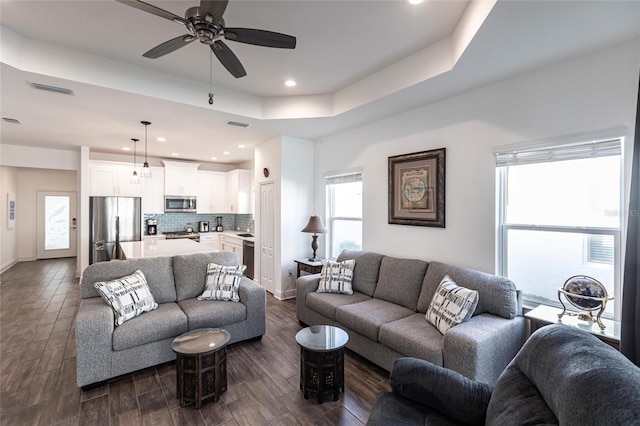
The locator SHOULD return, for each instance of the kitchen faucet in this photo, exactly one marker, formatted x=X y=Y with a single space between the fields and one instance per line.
x=251 y=222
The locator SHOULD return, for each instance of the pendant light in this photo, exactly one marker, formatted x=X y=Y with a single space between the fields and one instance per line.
x=135 y=179
x=146 y=170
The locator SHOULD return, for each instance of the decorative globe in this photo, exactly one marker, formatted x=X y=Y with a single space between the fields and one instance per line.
x=582 y=285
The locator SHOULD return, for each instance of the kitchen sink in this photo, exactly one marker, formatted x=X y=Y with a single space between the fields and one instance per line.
x=245 y=235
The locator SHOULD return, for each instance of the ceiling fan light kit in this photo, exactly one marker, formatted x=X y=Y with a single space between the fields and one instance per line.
x=206 y=24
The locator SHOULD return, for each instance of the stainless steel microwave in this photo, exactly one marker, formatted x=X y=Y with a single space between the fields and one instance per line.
x=179 y=204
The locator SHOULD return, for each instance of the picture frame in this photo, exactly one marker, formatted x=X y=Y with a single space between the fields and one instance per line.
x=11 y=210
x=417 y=188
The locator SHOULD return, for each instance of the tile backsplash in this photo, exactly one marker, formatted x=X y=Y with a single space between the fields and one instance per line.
x=171 y=222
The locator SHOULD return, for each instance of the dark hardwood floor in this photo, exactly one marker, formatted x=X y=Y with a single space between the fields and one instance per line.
x=38 y=301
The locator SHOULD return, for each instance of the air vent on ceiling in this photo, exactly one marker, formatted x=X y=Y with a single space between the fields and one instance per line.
x=10 y=120
x=54 y=89
x=238 y=124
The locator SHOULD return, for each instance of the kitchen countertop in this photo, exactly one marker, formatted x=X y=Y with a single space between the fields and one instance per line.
x=159 y=248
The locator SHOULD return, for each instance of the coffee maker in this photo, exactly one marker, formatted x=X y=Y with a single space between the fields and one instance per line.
x=152 y=226
x=204 y=226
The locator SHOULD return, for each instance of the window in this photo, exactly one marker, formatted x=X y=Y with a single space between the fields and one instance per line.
x=344 y=213
x=559 y=216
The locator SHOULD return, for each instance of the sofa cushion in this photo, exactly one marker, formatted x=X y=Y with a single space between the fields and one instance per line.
x=497 y=295
x=451 y=305
x=367 y=317
x=128 y=296
x=413 y=336
x=326 y=303
x=222 y=282
x=212 y=313
x=391 y=409
x=365 y=273
x=190 y=271
x=400 y=281
x=166 y=321
x=336 y=277
x=575 y=360
x=157 y=270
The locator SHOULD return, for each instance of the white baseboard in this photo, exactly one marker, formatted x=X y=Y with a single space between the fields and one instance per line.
x=8 y=265
x=288 y=294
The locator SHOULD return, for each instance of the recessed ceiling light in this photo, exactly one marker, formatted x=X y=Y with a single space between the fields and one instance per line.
x=414 y=2
x=290 y=83
x=160 y=139
x=175 y=154
x=241 y=146
x=126 y=148
x=214 y=158
x=226 y=153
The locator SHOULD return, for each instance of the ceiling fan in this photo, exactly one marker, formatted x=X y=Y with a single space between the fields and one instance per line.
x=205 y=23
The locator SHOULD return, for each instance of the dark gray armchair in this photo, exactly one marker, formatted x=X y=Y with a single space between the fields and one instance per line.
x=561 y=376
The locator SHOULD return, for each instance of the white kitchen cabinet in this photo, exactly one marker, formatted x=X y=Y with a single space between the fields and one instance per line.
x=153 y=192
x=239 y=192
x=180 y=178
x=109 y=180
x=211 y=191
x=211 y=240
x=232 y=244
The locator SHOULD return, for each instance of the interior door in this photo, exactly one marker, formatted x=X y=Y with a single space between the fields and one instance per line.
x=56 y=224
x=267 y=235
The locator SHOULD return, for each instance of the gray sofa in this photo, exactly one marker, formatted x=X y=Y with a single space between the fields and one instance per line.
x=385 y=317
x=104 y=351
x=562 y=376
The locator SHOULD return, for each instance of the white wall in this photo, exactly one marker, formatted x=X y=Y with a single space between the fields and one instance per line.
x=290 y=164
x=8 y=237
x=590 y=93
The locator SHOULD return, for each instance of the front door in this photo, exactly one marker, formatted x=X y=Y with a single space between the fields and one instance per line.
x=56 y=224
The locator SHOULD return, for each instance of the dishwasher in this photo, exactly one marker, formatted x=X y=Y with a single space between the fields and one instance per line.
x=247 y=258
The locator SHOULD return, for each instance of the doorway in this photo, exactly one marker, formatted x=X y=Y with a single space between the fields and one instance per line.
x=267 y=235
x=56 y=224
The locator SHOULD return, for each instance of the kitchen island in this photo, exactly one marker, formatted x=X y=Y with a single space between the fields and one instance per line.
x=159 y=248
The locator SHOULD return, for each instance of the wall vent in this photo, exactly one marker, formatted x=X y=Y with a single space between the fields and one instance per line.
x=10 y=120
x=238 y=124
x=53 y=89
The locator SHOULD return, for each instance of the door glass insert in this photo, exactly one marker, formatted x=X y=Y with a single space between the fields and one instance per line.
x=56 y=222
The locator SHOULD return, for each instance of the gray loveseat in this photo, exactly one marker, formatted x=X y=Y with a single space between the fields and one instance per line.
x=104 y=351
x=562 y=376
x=385 y=316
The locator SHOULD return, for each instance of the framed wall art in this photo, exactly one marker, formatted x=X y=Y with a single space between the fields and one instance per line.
x=416 y=188
x=11 y=210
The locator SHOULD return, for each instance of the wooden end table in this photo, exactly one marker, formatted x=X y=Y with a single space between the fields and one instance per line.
x=201 y=365
x=309 y=266
x=545 y=315
x=322 y=360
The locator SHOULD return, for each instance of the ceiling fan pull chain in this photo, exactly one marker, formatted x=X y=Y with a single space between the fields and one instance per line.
x=210 y=77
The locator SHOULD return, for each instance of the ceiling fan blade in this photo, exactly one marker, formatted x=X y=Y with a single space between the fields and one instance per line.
x=149 y=8
x=228 y=59
x=260 y=37
x=214 y=8
x=169 y=46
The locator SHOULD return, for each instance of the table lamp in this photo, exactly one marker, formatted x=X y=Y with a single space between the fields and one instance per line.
x=314 y=227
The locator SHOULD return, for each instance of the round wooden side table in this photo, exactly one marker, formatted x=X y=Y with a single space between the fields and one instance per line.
x=322 y=360
x=201 y=365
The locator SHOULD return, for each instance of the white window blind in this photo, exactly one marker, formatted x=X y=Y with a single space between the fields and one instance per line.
x=522 y=156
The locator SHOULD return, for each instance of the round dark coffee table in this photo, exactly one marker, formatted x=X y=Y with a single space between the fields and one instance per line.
x=201 y=365
x=322 y=360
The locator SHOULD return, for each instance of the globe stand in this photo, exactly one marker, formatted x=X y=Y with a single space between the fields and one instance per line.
x=584 y=302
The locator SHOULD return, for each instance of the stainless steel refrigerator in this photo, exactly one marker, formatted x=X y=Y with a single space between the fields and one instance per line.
x=113 y=219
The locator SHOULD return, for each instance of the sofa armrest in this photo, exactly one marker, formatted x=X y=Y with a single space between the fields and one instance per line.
x=94 y=326
x=440 y=389
x=254 y=297
x=482 y=347
x=304 y=285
